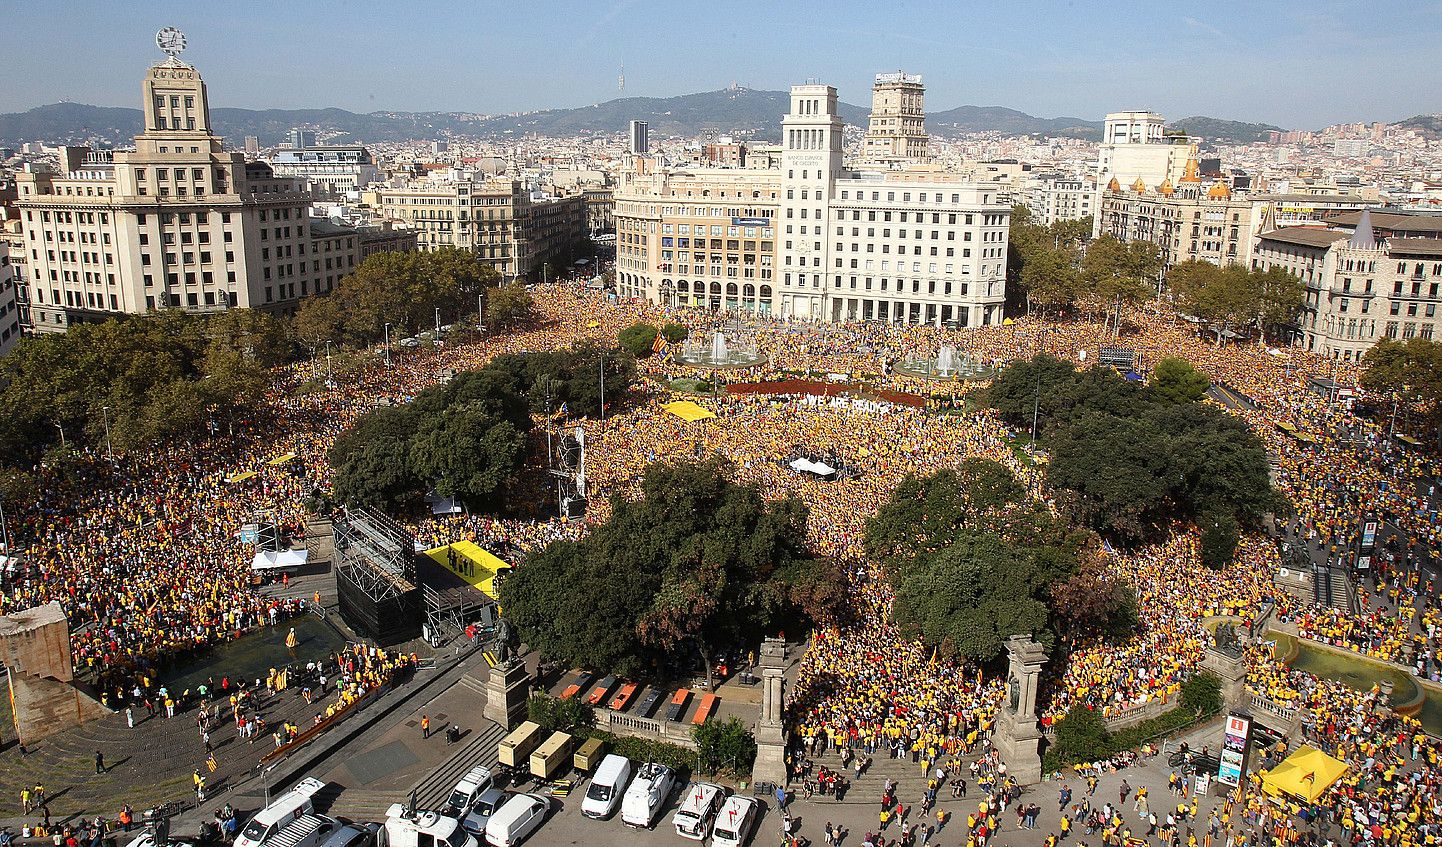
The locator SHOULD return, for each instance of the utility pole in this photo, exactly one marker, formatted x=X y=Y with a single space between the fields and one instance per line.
x=327 y=362
x=388 y=345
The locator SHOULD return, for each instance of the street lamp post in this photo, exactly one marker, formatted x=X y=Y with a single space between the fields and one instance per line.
x=109 y=454
x=327 y=361
x=62 y=434
x=438 y=323
x=388 y=345
x=312 y=363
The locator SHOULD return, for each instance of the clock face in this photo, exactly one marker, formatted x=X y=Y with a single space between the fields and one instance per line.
x=170 y=40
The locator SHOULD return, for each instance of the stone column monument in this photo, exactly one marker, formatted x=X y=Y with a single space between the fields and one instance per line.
x=509 y=684
x=1224 y=660
x=770 y=731
x=1016 y=734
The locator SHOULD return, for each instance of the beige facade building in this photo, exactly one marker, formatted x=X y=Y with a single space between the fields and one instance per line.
x=1189 y=221
x=176 y=223
x=1369 y=275
x=896 y=131
x=700 y=237
x=811 y=240
x=9 y=305
x=497 y=219
x=1136 y=146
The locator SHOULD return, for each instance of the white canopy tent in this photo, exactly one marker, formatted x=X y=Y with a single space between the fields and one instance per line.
x=269 y=560
x=804 y=465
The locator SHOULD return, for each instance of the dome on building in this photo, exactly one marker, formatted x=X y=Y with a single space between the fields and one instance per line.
x=1114 y=185
x=1139 y=186
x=1193 y=173
x=1219 y=191
x=1166 y=189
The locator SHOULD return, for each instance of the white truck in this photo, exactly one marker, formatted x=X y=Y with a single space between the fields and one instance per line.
x=647 y=795
x=411 y=828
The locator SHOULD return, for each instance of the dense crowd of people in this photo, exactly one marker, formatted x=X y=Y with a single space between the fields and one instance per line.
x=143 y=553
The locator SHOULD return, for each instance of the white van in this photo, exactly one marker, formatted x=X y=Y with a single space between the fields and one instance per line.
x=736 y=822
x=281 y=811
x=517 y=819
x=647 y=794
x=305 y=831
x=464 y=795
x=421 y=828
x=607 y=786
x=699 y=804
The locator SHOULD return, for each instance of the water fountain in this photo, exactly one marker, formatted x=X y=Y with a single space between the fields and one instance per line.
x=720 y=352
x=946 y=364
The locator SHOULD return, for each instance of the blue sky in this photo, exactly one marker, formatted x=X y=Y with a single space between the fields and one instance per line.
x=1296 y=64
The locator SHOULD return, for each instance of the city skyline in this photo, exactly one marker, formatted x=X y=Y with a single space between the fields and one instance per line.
x=1235 y=62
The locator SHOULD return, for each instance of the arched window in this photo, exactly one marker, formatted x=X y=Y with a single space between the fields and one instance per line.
x=715 y=288
x=683 y=285
x=730 y=289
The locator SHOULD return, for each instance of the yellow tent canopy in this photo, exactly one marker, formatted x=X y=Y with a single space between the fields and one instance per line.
x=688 y=411
x=486 y=565
x=280 y=460
x=1307 y=774
x=240 y=477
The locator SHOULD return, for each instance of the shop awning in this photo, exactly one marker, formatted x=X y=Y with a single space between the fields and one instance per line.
x=688 y=411
x=1307 y=774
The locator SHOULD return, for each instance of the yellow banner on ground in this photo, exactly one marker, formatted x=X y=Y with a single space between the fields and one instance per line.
x=240 y=477
x=280 y=460
x=472 y=563
x=688 y=411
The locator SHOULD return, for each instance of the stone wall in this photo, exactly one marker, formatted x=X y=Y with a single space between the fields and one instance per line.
x=670 y=732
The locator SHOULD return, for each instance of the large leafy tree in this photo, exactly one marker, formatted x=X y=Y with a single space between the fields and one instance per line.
x=972 y=562
x=1176 y=380
x=1131 y=458
x=696 y=565
x=1233 y=297
x=142 y=379
x=573 y=377
x=402 y=289
x=1116 y=273
x=466 y=439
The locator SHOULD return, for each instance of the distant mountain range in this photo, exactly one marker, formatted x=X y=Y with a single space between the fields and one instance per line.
x=739 y=111
x=1216 y=129
x=1429 y=125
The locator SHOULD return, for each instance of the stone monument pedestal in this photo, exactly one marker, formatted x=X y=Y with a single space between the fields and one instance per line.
x=1229 y=667
x=507 y=689
x=770 y=732
x=1017 y=735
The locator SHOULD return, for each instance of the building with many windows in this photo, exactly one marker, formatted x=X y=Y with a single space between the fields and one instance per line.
x=1368 y=275
x=811 y=240
x=499 y=219
x=9 y=307
x=896 y=130
x=1061 y=199
x=698 y=237
x=178 y=222
x=1189 y=221
x=329 y=173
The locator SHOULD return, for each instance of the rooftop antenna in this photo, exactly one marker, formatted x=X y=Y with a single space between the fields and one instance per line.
x=621 y=80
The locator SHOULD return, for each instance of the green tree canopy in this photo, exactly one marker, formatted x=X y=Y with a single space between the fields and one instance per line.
x=510 y=305
x=149 y=378
x=466 y=439
x=402 y=289
x=1175 y=380
x=1233 y=297
x=637 y=339
x=698 y=564
x=1131 y=458
x=573 y=376
x=972 y=561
